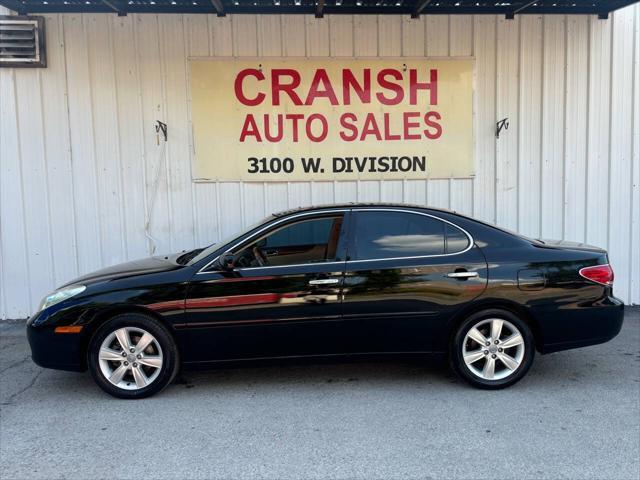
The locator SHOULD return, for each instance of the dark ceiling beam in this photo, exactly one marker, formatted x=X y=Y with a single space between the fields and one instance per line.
x=117 y=6
x=420 y=6
x=511 y=15
x=217 y=4
x=320 y=9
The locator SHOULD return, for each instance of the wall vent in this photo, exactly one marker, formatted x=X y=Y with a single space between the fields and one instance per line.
x=22 y=41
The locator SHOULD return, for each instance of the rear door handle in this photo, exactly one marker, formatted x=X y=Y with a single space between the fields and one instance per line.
x=324 y=281
x=462 y=274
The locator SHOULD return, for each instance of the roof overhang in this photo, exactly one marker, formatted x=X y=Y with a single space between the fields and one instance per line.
x=319 y=8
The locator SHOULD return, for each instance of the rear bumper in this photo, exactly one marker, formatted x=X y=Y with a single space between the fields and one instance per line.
x=54 y=350
x=581 y=327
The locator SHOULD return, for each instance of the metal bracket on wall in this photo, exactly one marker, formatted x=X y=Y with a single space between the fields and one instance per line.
x=161 y=127
x=502 y=124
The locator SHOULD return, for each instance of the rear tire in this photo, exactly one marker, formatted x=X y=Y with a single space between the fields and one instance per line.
x=492 y=349
x=132 y=356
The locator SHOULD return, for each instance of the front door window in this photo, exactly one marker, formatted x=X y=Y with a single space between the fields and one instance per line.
x=302 y=242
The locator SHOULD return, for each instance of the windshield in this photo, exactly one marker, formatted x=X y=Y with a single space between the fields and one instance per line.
x=217 y=246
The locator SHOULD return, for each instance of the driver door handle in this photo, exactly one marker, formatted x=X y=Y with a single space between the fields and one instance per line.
x=324 y=281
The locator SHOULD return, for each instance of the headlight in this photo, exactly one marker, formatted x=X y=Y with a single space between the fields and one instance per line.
x=60 y=295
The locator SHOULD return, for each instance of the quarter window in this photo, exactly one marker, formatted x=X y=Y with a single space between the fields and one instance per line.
x=457 y=240
x=306 y=241
x=387 y=234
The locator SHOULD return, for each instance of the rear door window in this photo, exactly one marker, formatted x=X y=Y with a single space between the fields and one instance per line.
x=389 y=234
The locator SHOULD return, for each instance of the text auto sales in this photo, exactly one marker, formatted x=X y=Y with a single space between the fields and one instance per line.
x=254 y=88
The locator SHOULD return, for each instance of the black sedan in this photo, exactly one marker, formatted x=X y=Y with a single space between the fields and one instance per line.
x=350 y=279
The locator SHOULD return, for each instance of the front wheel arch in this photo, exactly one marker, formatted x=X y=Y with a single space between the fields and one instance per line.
x=103 y=316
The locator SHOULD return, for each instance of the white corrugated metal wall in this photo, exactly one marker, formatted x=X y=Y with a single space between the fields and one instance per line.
x=79 y=158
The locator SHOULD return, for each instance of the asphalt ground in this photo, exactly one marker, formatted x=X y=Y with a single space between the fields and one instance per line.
x=576 y=415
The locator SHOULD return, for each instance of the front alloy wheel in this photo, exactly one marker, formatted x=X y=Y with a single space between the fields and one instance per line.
x=492 y=349
x=132 y=356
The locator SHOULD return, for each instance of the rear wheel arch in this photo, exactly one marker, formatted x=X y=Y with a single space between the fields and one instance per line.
x=495 y=304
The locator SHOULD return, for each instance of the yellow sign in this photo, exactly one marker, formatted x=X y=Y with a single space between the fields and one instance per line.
x=280 y=119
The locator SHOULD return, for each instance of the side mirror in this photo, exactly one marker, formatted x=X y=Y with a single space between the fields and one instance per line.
x=227 y=261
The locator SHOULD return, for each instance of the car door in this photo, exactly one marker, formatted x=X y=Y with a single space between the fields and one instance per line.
x=407 y=273
x=282 y=297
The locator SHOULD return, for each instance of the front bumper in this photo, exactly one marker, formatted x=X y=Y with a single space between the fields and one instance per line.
x=60 y=351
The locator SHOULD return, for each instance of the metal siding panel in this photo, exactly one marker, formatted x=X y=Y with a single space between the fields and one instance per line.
x=365 y=35
x=150 y=58
x=106 y=138
x=462 y=195
x=245 y=35
x=55 y=122
x=322 y=193
x=79 y=84
x=130 y=134
x=415 y=192
x=438 y=193
x=485 y=107
x=413 y=36
x=34 y=183
x=369 y=190
x=635 y=177
x=507 y=106
x=597 y=218
x=179 y=170
x=575 y=127
x=461 y=35
x=317 y=36
x=391 y=191
x=389 y=35
x=294 y=35
x=340 y=35
x=13 y=236
x=198 y=41
x=437 y=35
x=269 y=35
x=553 y=101
x=220 y=35
x=299 y=194
x=620 y=209
x=529 y=128
x=231 y=216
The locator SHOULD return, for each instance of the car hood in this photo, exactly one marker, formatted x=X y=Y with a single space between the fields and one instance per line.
x=142 y=266
x=572 y=245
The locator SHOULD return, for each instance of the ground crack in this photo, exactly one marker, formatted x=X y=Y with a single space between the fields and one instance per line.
x=20 y=392
x=15 y=364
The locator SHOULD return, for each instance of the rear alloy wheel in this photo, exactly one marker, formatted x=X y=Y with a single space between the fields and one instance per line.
x=492 y=349
x=132 y=356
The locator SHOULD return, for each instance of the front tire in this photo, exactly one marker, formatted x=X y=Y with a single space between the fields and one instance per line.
x=492 y=349
x=132 y=356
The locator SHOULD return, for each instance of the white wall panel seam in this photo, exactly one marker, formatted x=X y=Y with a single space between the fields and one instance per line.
x=143 y=146
x=45 y=158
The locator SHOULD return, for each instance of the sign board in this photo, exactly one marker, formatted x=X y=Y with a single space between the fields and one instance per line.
x=284 y=119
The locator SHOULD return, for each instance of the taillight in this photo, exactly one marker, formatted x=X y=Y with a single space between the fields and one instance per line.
x=602 y=274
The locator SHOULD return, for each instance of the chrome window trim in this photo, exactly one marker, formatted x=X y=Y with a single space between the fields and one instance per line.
x=354 y=209
x=277 y=222
x=403 y=210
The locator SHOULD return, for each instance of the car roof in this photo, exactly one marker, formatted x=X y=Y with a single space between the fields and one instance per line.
x=359 y=205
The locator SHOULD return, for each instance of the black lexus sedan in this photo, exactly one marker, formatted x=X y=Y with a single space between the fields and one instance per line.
x=336 y=280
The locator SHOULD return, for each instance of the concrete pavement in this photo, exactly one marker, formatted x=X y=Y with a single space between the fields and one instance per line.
x=576 y=415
